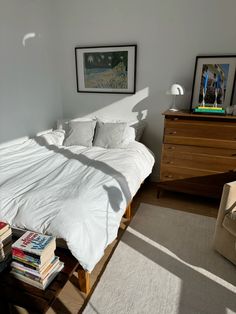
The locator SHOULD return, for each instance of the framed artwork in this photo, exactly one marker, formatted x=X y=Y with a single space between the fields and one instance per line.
x=106 y=69
x=214 y=81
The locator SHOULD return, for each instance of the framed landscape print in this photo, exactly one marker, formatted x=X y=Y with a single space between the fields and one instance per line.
x=106 y=69
x=214 y=81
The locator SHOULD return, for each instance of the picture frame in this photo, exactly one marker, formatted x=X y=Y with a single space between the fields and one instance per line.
x=213 y=81
x=106 y=69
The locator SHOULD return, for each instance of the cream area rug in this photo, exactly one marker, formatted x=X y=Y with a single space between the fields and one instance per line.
x=165 y=263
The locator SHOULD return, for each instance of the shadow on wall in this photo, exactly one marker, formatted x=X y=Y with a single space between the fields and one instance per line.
x=120 y=108
x=118 y=111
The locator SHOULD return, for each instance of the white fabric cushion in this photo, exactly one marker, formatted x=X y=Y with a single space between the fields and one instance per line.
x=110 y=135
x=129 y=136
x=55 y=137
x=80 y=133
x=139 y=127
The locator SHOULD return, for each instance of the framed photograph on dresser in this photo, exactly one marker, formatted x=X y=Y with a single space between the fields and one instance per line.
x=214 y=81
x=106 y=69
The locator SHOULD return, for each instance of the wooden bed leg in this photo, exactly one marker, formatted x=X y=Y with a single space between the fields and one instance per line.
x=128 y=212
x=84 y=281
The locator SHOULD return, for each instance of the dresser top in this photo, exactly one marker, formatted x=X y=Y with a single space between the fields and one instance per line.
x=188 y=115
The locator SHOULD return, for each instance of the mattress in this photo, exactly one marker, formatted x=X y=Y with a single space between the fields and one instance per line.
x=75 y=193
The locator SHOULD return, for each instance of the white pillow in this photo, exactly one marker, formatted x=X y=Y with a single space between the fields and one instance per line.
x=55 y=137
x=80 y=133
x=110 y=134
x=139 y=127
x=129 y=135
x=63 y=124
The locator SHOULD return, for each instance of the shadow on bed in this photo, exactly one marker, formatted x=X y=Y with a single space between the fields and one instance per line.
x=114 y=194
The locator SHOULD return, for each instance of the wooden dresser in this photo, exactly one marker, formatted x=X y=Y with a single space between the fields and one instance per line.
x=198 y=153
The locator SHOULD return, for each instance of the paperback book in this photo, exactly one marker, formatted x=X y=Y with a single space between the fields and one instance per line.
x=5 y=238
x=5 y=245
x=34 y=261
x=42 y=284
x=3 y=227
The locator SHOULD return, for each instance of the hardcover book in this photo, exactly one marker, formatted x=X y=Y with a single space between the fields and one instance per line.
x=34 y=247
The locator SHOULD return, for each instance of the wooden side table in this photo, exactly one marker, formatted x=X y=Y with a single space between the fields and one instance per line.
x=16 y=292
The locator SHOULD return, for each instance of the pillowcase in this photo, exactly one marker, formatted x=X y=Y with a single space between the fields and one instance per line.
x=64 y=124
x=80 y=133
x=55 y=137
x=139 y=127
x=110 y=134
x=129 y=136
x=135 y=127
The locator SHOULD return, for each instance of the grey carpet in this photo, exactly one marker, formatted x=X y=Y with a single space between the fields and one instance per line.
x=165 y=263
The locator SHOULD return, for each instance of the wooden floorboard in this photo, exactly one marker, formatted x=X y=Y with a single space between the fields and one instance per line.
x=71 y=300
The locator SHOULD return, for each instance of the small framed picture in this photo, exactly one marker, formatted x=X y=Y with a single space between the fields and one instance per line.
x=214 y=81
x=106 y=69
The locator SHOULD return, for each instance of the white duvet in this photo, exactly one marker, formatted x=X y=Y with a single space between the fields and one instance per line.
x=78 y=194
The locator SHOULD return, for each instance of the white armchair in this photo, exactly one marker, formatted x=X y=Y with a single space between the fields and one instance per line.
x=225 y=231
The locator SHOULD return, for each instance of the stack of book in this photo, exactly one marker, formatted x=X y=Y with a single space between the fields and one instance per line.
x=5 y=245
x=209 y=110
x=34 y=260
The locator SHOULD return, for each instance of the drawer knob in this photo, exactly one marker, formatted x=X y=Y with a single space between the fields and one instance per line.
x=168 y=176
x=173 y=147
x=172 y=133
x=170 y=162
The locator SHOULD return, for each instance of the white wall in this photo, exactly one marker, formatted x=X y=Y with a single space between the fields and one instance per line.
x=30 y=98
x=169 y=35
x=36 y=79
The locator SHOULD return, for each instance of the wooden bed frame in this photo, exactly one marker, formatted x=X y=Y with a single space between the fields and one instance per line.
x=83 y=275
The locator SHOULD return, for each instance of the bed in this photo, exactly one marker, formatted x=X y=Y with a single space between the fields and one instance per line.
x=78 y=194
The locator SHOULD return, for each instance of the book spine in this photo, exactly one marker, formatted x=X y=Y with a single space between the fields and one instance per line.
x=24 y=269
x=26 y=274
x=26 y=263
x=27 y=280
x=27 y=259
x=26 y=255
x=23 y=253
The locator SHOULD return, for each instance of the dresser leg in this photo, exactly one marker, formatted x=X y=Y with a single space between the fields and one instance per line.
x=159 y=191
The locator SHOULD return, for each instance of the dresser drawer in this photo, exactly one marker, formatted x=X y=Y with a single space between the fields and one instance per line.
x=210 y=129
x=171 y=172
x=199 y=133
x=199 y=161
x=182 y=149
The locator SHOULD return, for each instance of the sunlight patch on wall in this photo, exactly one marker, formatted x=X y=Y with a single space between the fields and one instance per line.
x=119 y=109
